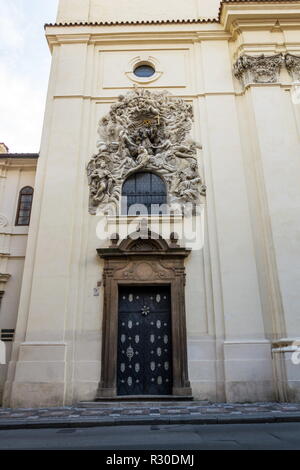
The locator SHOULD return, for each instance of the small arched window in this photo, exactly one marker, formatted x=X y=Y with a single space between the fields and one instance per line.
x=144 y=194
x=24 y=206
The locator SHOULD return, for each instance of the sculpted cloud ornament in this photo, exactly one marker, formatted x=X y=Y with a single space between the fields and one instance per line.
x=145 y=131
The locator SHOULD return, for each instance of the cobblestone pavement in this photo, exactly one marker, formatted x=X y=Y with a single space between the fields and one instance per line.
x=119 y=412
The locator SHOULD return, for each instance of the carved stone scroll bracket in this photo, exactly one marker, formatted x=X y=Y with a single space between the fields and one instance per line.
x=260 y=69
x=143 y=261
x=292 y=63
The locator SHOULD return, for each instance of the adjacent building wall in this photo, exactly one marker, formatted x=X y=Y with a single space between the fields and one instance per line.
x=15 y=174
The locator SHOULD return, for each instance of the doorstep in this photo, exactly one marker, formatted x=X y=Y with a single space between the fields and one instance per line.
x=141 y=401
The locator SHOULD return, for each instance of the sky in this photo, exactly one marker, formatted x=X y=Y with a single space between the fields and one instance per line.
x=24 y=71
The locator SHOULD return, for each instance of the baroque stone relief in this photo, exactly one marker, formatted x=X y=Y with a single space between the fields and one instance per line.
x=145 y=131
x=260 y=69
x=292 y=63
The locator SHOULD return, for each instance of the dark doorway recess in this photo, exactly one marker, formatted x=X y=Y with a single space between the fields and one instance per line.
x=144 y=341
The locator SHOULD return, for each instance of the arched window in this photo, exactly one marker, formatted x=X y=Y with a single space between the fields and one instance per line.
x=24 y=206
x=143 y=194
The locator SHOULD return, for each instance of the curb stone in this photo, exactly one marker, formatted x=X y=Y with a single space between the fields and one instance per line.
x=154 y=421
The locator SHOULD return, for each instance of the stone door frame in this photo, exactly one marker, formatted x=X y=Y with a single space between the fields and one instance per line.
x=143 y=260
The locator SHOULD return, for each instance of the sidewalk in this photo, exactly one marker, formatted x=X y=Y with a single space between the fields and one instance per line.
x=148 y=413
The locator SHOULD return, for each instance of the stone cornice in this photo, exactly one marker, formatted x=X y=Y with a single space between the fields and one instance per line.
x=19 y=155
x=20 y=162
x=132 y=23
x=135 y=37
x=100 y=35
x=255 y=13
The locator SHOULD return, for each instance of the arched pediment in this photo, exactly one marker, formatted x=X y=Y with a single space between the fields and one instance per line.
x=144 y=241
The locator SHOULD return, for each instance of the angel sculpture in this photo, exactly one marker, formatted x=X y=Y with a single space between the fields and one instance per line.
x=189 y=180
x=101 y=181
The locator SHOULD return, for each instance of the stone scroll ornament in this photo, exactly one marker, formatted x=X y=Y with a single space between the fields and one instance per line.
x=145 y=131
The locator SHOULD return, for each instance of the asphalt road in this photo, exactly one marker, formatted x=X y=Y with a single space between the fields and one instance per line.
x=180 y=437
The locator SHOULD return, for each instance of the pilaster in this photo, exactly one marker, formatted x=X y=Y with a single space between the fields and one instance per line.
x=274 y=129
x=245 y=347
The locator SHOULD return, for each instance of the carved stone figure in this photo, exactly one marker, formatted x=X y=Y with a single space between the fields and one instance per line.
x=292 y=63
x=187 y=185
x=145 y=131
x=260 y=69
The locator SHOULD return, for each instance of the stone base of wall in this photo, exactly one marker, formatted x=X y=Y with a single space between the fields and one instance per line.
x=248 y=371
x=248 y=375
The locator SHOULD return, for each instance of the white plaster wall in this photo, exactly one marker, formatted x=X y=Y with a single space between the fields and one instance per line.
x=133 y=10
x=279 y=153
x=228 y=207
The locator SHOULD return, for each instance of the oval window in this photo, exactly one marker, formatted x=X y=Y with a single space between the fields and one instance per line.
x=144 y=71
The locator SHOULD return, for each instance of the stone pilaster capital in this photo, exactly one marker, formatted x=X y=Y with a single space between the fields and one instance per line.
x=259 y=69
x=292 y=63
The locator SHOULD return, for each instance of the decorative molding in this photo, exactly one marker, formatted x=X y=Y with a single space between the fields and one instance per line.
x=292 y=63
x=145 y=131
x=133 y=22
x=260 y=69
x=285 y=344
x=4 y=278
x=142 y=60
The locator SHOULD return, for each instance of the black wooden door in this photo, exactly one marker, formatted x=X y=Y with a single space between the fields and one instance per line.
x=144 y=341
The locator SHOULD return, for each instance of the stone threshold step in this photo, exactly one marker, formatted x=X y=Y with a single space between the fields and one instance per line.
x=143 y=398
x=144 y=403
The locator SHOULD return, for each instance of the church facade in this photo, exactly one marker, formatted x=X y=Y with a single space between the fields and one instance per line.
x=162 y=259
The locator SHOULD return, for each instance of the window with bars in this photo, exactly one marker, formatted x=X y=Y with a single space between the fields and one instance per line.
x=24 y=206
x=144 y=194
